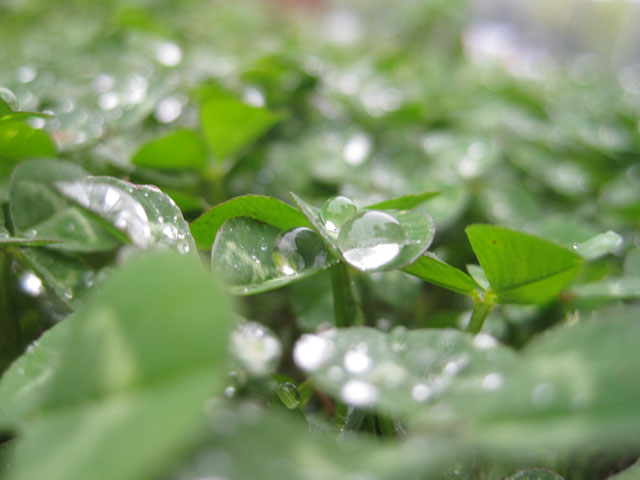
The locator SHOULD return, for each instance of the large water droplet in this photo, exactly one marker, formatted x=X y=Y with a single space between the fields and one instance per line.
x=335 y=212
x=289 y=395
x=9 y=98
x=297 y=249
x=255 y=348
x=371 y=239
x=312 y=351
x=358 y=393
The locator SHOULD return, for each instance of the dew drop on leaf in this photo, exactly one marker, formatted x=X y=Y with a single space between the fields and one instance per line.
x=289 y=395
x=371 y=239
x=312 y=351
x=356 y=361
x=297 y=249
x=358 y=393
x=492 y=381
x=9 y=98
x=255 y=348
x=335 y=212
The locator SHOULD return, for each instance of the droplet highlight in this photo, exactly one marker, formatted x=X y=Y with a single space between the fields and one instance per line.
x=297 y=249
x=335 y=213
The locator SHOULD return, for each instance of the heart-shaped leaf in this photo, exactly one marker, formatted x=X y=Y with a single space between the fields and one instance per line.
x=255 y=257
x=522 y=268
x=266 y=209
x=371 y=240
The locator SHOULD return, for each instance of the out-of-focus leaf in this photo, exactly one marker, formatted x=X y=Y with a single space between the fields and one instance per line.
x=32 y=194
x=265 y=209
x=433 y=270
x=246 y=253
x=19 y=141
x=230 y=125
x=610 y=287
x=406 y=202
x=535 y=474
x=599 y=246
x=180 y=149
x=522 y=268
x=127 y=379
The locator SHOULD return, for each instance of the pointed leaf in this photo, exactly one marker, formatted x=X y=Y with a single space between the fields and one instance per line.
x=133 y=370
x=433 y=270
x=265 y=209
x=522 y=268
x=406 y=202
x=418 y=228
x=180 y=149
x=244 y=254
x=477 y=273
x=230 y=125
x=599 y=246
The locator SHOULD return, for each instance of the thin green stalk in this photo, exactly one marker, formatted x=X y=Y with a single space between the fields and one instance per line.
x=10 y=338
x=483 y=303
x=345 y=307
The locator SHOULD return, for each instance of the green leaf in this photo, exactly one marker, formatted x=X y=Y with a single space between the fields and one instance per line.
x=535 y=474
x=433 y=270
x=599 y=246
x=180 y=149
x=230 y=125
x=406 y=202
x=609 y=288
x=20 y=116
x=566 y=390
x=245 y=253
x=75 y=231
x=418 y=228
x=145 y=214
x=522 y=268
x=477 y=273
x=128 y=379
x=32 y=194
x=266 y=209
x=19 y=141
x=399 y=372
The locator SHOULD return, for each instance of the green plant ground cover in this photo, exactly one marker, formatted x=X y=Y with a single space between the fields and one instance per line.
x=307 y=240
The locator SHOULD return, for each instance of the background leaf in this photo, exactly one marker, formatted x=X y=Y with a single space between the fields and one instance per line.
x=406 y=202
x=522 y=268
x=180 y=149
x=19 y=141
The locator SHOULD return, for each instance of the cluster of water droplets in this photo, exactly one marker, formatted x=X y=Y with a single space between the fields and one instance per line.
x=368 y=239
x=298 y=249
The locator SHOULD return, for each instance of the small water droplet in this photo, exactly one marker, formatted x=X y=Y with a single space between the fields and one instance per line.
x=255 y=348
x=356 y=361
x=371 y=239
x=357 y=149
x=484 y=341
x=168 y=109
x=543 y=395
x=312 y=351
x=289 y=395
x=31 y=284
x=358 y=393
x=421 y=392
x=168 y=54
x=297 y=249
x=31 y=233
x=68 y=294
x=9 y=98
x=229 y=391
x=492 y=381
x=335 y=212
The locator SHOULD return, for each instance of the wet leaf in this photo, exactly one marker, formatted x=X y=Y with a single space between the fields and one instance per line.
x=230 y=125
x=599 y=246
x=433 y=270
x=371 y=240
x=400 y=371
x=127 y=379
x=246 y=254
x=145 y=214
x=535 y=474
x=265 y=209
x=522 y=268
x=180 y=149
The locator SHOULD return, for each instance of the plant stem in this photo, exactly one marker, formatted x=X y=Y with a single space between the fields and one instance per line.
x=483 y=303
x=345 y=307
x=9 y=325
